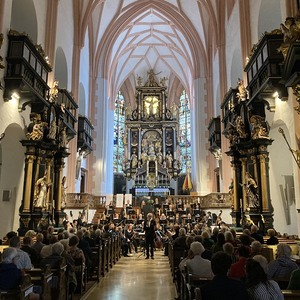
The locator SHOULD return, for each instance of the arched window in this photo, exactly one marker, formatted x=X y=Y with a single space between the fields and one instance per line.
x=185 y=132
x=119 y=128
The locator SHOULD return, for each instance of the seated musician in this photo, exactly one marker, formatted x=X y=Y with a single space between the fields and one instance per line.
x=130 y=236
x=157 y=206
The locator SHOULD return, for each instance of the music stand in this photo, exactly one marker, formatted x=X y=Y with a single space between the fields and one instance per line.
x=129 y=221
x=182 y=212
x=139 y=221
x=116 y=221
x=163 y=222
x=143 y=246
x=166 y=207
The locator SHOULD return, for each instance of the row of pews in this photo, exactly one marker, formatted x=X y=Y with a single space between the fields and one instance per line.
x=189 y=285
x=54 y=283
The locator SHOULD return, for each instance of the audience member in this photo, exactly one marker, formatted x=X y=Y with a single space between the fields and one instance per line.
x=221 y=287
x=272 y=240
x=38 y=245
x=229 y=250
x=283 y=266
x=258 y=285
x=256 y=248
x=237 y=270
x=255 y=235
x=27 y=243
x=24 y=262
x=220 y=242
x=198 y=266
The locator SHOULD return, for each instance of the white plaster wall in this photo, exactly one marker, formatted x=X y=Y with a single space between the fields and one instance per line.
x=198 y=129
x=84 y=76
x=103 y=152
x=233 y=46
x=41 y=14
x=65 y=34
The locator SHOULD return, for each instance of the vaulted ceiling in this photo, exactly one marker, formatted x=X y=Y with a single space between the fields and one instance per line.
x=130 y=37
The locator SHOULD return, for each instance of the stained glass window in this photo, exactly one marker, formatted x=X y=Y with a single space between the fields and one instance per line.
x=119 y=129
x=185 y=132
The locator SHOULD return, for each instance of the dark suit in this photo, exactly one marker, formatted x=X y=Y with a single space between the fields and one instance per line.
x=149 y=237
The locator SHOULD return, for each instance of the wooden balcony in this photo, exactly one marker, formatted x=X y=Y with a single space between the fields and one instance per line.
x=85 y=133
x=214 y=129
x=67 y=103
x=27 y=71
x=264 y=70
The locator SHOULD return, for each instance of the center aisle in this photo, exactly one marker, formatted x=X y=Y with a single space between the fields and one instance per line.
x=136 y=278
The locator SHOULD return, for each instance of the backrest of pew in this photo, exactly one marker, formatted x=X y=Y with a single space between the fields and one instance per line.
x=22 y=293
x=291 y=294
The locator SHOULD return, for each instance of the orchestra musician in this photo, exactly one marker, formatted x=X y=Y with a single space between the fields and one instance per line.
x=149 y=228
x=130 y=236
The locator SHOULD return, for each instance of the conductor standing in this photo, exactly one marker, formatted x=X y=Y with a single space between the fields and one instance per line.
x=149 y=228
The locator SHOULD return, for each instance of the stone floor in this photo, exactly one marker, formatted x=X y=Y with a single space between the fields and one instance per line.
x=136 y=278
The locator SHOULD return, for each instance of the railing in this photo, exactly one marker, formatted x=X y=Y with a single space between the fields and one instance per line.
x=213 y=200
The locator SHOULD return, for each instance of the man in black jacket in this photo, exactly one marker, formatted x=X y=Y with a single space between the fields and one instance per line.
x=149 y=228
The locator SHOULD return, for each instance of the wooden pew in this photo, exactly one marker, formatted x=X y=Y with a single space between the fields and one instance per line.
x=61 y=291
x=80 y=271
x=291 y=294
x=196 y=282
x=42 y=277
x=22 y=293
x=96 y=262
x=104 y=256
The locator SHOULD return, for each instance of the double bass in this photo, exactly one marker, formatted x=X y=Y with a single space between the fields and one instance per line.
x=158 y=240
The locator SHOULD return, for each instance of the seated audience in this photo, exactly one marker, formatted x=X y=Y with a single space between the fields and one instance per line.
x=294 y=282
x=221 y=287
x=229 y=238
x=237 y=270
x=283 y=266
x=38 y=245
x=229 y=250
x=220 y=242
x=207 y=241
x=256 y=248
x=255 y=235
x=73 y=250
x=24 y=262
x=272 y=240
x=258 y=285
x=198 y=266
x=10 y=275
x=55 y=259
x=27 y=243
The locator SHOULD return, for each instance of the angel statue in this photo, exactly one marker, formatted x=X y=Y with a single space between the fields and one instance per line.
x=53 y=93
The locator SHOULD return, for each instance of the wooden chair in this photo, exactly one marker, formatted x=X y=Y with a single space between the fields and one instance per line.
x=291 y=294
x=21 y=293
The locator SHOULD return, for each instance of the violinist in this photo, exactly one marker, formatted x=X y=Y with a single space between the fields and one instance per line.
x=149 y=228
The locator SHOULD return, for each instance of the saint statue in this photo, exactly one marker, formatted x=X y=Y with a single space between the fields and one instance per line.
x=40 y=192
x=169 y=159
x=63 y=192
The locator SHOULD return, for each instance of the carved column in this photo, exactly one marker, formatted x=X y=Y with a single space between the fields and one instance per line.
x=264 y=183
x=244 y=163
x=28 y=182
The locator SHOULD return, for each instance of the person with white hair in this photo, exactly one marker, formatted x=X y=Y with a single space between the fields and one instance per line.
x=149 y=228
x=10 y=275
x=198 y=265
x=283 y=266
